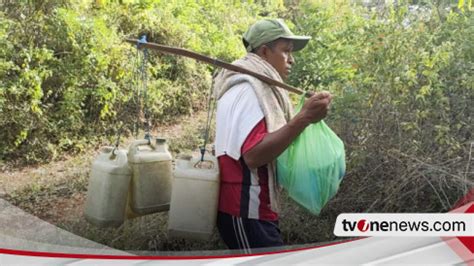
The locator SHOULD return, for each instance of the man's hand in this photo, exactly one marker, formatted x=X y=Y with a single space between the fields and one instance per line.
x=273 y=144
x=315 y=108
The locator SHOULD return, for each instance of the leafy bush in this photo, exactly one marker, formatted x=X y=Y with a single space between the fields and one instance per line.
x=403 y=88
x=68 y=79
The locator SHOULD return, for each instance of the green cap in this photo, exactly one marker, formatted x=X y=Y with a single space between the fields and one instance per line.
x=267 y=30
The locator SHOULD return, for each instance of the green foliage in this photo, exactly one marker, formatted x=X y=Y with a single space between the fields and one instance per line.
x=67 y=78
x=402 y=80
x=403 y=86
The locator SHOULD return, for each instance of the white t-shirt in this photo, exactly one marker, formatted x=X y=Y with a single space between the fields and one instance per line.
x=238 y=112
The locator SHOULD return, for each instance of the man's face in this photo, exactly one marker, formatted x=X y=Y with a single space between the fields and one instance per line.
x=280 y=57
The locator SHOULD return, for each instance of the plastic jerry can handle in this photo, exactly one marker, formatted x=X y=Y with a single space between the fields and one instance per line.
x=207 y=158
x=110 y=151
x=134 y=146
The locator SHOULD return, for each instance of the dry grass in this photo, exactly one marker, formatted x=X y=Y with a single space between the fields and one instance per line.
x=388 y=181
x=56 y=193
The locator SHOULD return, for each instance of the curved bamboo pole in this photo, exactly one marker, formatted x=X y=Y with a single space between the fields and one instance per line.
x=216 y=62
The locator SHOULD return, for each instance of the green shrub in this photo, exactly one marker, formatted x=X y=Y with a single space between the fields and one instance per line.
x=68 y=79
x=403 y=91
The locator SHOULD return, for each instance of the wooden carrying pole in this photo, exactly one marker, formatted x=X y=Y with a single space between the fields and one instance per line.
x=216 y=62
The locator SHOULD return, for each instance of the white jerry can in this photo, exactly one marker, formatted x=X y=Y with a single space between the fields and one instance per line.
x=194 y=198
x=151 y=176
x=108 y=188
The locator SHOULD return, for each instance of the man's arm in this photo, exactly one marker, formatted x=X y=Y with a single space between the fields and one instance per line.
x=273 y=144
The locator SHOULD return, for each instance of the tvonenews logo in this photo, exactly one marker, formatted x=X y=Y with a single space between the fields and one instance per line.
x=404 y=224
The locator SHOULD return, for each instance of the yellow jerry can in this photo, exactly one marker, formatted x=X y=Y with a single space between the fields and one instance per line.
x=151 y=176
x=108 y=188
x=194 y=198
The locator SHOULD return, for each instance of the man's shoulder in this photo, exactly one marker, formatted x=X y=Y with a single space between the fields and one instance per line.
x=239 y=100
x=240 y=91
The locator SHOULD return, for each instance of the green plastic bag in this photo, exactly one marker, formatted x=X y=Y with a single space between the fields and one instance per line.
x=312 y=167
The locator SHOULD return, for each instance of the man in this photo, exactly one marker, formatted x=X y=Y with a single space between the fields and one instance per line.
x=254 y=125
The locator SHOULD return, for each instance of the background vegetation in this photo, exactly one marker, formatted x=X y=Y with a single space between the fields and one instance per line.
x=402 y=76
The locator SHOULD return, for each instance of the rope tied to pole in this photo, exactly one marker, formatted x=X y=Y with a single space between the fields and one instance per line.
x=142 y=78
x=209 y=118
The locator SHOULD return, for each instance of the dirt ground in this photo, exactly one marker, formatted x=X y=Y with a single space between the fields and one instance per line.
x=56 y=191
